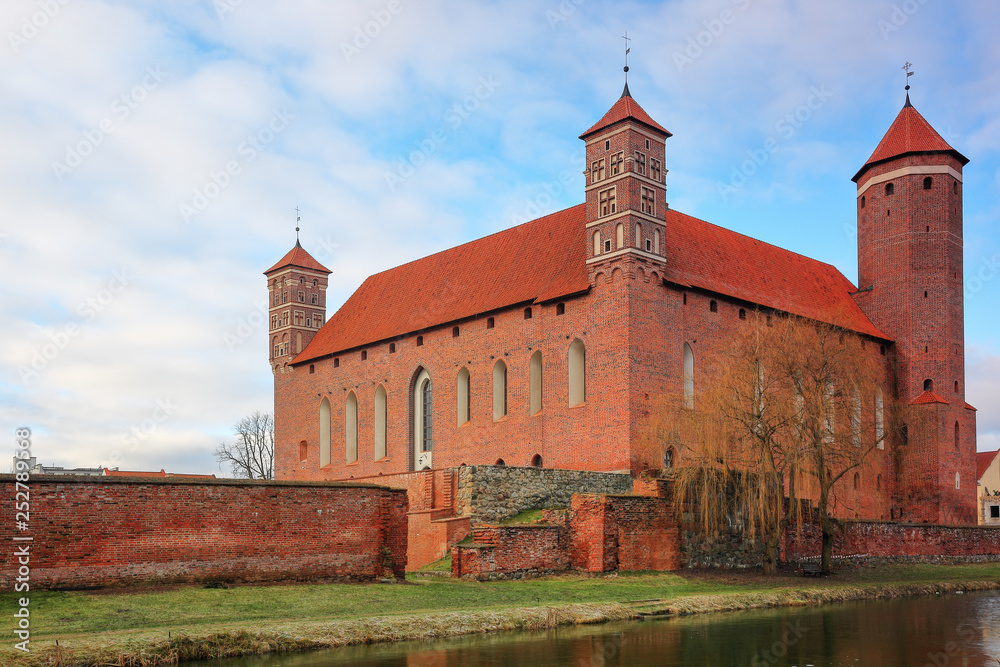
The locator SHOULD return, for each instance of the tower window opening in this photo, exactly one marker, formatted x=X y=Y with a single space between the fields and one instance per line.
x=956 y=386
x=489 y=322
x=647 y=144
x=649 y=245
x=597 y=243
x=743 y=313
x=713 y=306
x=958 y=436
x=607 y=245
x=606 y=201
x=607 y=145
x=887 y=212
x=454 y=332
x=527 y=313
x=315 y=283
x=336 y=360
x=925 y=294
x=928 y=182
x=420 y=341
x=928 y=385
x=954 y=187
x=890 y=189
x=364 y=355
x=560 y=309
x=685 y=300
x=862 y=201
x=392 y=348
x=928 y=228
x=881 y=350
x=302 y=280
x=620 y=235
x=302 y=297
x=312 y=368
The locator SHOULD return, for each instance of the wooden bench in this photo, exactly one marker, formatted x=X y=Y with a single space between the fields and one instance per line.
x=811 y=570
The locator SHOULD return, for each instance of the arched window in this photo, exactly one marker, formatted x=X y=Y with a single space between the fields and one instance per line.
x=668 y=459
x=499 y=390
x=500 y=462
x=958 y=482
x=536 y=383
x=958 y=436
x=638 y=235
x=303 y=450
x=620 y=235
x=597 y=243
x=857 y=481
x=423 y=420
x=298 y=343
x=463 y=397
x=928 y=385
x=656 y=241
x=862 y=201
x=536 y=461
x=928 y=183
x=380 y=423
x=889 y=188
x=351 y=427
x=688 y=377
x=324 y=433
x=577 y=373
x=879 y=418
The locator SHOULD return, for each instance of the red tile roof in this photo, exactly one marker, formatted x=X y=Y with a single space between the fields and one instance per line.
x=297 y=256
x=624 y=108
x=704 y=255
x=983 y=461
x=970 y=407
x=545 y=259
x=909 y=133
x=928 y=397
x=538 y=261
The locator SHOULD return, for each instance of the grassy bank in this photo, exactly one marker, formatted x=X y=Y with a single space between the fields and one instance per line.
x=156 y=626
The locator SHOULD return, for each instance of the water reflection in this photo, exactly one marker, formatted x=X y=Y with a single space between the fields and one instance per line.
x=938 y=631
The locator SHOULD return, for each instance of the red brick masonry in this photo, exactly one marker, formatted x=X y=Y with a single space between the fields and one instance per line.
x=877 y=539
x=91 y=532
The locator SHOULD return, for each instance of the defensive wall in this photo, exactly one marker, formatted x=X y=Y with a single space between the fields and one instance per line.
x=110 y=531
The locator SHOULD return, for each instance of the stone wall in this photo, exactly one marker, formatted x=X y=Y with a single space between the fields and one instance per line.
x=491 y=494
x=106 y=531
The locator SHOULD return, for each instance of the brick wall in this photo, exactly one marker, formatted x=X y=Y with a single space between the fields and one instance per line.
x=505 y=551
x=91 y=532
x=883 y=540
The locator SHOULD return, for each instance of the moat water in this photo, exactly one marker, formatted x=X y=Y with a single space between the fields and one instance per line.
x=937 y=631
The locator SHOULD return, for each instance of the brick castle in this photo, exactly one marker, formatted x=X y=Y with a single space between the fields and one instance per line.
x=547 y=344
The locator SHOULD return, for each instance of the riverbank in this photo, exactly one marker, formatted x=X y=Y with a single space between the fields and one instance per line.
x=161 y=626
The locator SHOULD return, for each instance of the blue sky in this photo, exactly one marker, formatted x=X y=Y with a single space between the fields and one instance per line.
x=154 y=154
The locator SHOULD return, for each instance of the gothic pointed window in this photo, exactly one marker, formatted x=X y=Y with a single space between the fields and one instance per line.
x=351 y=427
x=324 y=432
x=620 y=235
x=535 y=372
x=577 y=373
x=688 y=377
x=597 y=244
x=380 y=423
x=423 y=415
x=499 y=390
x=463 y=397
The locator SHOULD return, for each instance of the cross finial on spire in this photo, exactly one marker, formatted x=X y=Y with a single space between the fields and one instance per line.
x=297 y=219
x=627 y=39
x=908 y=67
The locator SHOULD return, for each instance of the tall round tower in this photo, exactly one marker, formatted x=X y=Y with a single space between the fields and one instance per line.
x=910 y=280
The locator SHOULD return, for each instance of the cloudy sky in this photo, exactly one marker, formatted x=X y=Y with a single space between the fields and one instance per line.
x=153 y=155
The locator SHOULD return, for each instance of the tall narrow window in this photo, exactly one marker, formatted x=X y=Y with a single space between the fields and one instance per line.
x=324 y=433
x=647 y=203
x=577 y=373
x=597 y=244
x=958 y=482
x=958 y=436
x=606 y=201
x=351 y=427
x=640 y=163
x=380 y=423
x=889 y=188
x=688 y=377
x=855 y=416
x=536 y=383
x=656 y=241
x=829 y=424
x=620 y=235
x=423 y=420
x=879 y=418
x=638 y=235
x=499 y=390
x=463 y=397
x=298 y=343
x=928 y=183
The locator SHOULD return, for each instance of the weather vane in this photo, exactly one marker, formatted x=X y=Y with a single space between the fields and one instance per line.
x=297 y=219
x=627 y=50
x=908 y=66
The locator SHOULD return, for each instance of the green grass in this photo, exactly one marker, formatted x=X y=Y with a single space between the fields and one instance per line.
x=65 y=613
x=440 y=565
x=527 y=516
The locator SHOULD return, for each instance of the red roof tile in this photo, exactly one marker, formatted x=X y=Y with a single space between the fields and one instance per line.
x=625 y=108
x=969 y=407
x=909 y=133
x=928 y=397
x=297 y=256
x=545 y=259
x=538 y=261
x=983 y=461
x=719 y=260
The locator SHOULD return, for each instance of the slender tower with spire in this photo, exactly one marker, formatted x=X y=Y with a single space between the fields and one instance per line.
x=909 y=204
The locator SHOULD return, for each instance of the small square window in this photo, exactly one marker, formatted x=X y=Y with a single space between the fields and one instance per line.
x=489 y=322
x=560 y=309
x=995 y=512
x=336 y=360
x=454 y=332
x=312 y=368
x=420 y=341
x=649 y=245
x=743 y=314
x=607 y=246
x=713 y=306
x=392 y=348
x=527 y=313
x=364 y=355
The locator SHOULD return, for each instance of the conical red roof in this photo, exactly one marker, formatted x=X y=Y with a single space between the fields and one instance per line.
x=623 y=109
x=910 y=133
x=297 y=256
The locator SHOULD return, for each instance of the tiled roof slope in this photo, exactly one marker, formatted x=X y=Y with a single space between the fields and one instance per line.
x=909 y=133
x=704 y=255
x=625 y=107
x=538 y=261
x=545 y=259
x=928 y=397
x=983 y=461
x=297 y=256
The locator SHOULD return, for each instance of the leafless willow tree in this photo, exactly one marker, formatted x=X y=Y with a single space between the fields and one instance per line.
x=781 y=416
x=252 y=455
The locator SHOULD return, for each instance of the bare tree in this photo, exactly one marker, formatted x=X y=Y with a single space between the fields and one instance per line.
x=788 y=413
x=252 y=455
